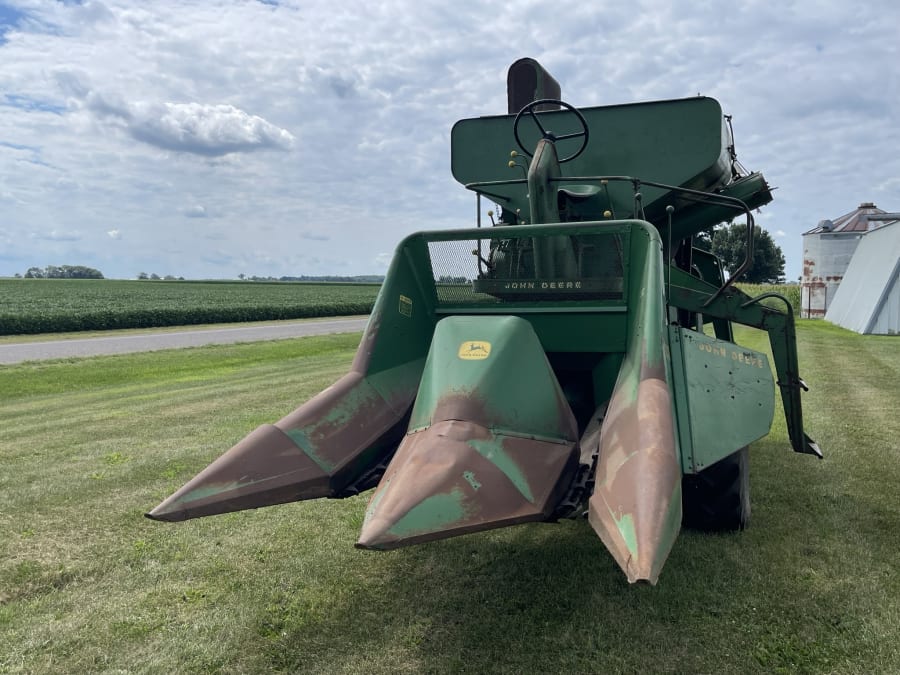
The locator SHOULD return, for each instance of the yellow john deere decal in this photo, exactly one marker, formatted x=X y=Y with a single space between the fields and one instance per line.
x=406 y=306
x=474 y=350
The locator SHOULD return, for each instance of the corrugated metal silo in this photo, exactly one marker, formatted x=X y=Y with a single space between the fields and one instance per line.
x=828 y=249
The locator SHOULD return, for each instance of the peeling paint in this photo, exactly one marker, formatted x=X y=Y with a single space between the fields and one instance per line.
x=494 y=454
x=436 y=511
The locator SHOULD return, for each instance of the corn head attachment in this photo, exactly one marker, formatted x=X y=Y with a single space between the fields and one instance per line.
x=575 y=359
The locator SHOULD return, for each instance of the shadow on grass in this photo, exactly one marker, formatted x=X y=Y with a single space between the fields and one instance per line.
x=531 y=599
x=549 y=598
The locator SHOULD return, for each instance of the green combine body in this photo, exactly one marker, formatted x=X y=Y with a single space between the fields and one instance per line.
x=574 y=359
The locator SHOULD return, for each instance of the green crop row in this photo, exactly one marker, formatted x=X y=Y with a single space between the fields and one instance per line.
x=52 y=306
x=63 y=305
x=791 y=292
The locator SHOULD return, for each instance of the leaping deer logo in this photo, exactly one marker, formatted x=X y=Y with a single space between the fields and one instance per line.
x=473 y=350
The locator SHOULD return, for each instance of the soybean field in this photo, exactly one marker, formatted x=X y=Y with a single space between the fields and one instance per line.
x=29 y=306
x=62 y=305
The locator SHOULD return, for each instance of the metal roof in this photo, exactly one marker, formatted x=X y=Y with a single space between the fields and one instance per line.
x=868 y=299
x=865 y=217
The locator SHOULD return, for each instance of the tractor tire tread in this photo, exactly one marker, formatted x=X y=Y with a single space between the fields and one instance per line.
x=718 y=498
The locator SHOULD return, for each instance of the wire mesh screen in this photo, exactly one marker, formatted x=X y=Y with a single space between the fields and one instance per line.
x=546 y=268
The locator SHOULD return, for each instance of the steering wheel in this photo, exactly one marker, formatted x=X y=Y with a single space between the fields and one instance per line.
x=529 y=110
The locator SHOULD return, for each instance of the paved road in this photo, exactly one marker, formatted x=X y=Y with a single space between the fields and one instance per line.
x=124 y=344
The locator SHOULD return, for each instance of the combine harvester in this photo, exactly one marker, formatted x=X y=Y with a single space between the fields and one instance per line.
x=556 y=364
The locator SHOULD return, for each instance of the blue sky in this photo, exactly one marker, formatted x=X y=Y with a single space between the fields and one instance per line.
x=209 y=139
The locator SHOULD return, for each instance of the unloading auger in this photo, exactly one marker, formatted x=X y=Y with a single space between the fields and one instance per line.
x=556 y=364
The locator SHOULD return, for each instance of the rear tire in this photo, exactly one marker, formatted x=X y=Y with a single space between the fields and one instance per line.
x=718 y=498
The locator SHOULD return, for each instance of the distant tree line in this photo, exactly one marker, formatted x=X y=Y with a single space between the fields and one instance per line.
x=359 y=279
x=63 y=272
x=143 y=276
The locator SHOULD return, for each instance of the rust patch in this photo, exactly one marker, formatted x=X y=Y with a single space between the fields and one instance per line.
x=444 y=481
x=316 y=451
x=341 y=421
x=636 y=506
x=472 y=407
x=467 y=406
x=363 y=355
x=265 y=468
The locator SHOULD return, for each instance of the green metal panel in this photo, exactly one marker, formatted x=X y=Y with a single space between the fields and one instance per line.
x=402 y=319
x=576 y=310
x=679 y=142
x=725 y=397
x=712 y=272
x=499 y=365
x=491 y=439
x=554 y=257
x=584 y=332
x=693 y=216
x=689 y=292
x=636 y=504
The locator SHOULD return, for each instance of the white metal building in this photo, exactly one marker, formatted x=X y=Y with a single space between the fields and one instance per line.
x=868 y=299
x=828 y=249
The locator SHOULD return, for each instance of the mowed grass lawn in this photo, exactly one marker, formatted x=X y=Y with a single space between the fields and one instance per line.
x=87 y=584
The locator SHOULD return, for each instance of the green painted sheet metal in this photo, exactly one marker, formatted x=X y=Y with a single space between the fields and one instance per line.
x=496 y=455
x=544 y=168
x=554 y=257
x=695 y=216
x=491 y=442
x=402 y=319
x=726 y=397
x=491 y=370
x=636 y=504
x=327 y=444
x=446 y=480
x=602 y=332
x=318 y=450
x=434 y=512
x=679 y=142
x=693 y=294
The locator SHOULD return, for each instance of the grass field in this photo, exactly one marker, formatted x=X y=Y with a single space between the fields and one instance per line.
x=89 y=585
x=57 y=305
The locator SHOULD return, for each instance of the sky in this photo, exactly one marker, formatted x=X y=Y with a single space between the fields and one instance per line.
x=215 y=138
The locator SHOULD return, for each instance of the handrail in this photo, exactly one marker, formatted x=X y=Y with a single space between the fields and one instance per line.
x=722 y=200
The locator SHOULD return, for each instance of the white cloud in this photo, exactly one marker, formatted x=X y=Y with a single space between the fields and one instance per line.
x=318 y=135
x=206 y=129
x=57 y=235
x=114 y=234
x=211 y=130
x=312 y=236
x=889 y=187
